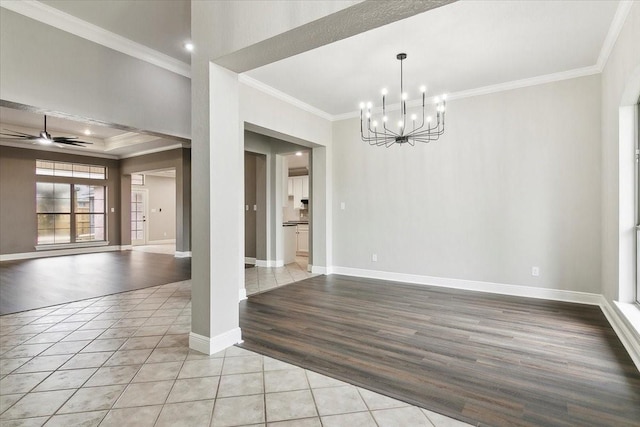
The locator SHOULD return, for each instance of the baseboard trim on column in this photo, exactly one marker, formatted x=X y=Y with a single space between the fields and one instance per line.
x=242 y=294
x=215 y=344
x=183 y=254
x=269 y=263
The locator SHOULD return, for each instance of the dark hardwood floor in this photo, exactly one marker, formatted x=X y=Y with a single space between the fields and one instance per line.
x=486 y=359
x=36 y=283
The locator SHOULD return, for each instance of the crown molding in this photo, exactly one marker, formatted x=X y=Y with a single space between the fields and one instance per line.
x=614 y=31
x=126 y=140
x=151 y=151
x=76 y=26
x=269 y=90
x=486 y=90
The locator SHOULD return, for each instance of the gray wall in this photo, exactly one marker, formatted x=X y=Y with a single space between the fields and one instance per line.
x=47 y=68
x=18 y=223
x=514 y=183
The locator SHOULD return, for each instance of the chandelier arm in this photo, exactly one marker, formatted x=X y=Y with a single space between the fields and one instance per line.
x=390 y=131
x=381 y=142
x=384 y=125
x=418 y=129
x=430 y=137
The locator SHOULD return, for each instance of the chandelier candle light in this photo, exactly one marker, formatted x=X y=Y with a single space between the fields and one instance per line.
x=423 y=131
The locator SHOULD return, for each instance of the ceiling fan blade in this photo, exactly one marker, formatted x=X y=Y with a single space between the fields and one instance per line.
x=64 y=140
x=18 y=138
x=16 y=133
x=69 y=143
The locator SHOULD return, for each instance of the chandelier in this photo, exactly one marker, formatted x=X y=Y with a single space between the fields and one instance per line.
x=408 y=131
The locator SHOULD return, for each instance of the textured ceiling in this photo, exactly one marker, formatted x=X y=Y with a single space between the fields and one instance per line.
x=461 y=46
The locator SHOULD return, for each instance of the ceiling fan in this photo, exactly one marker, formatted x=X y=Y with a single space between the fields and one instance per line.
x=44 y=137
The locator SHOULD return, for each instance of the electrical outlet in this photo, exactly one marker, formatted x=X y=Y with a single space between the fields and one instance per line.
x=535 y=271
x=374 y=257
x=342 y=205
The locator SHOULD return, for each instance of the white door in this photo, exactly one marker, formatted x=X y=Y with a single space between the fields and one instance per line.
x=138 y=217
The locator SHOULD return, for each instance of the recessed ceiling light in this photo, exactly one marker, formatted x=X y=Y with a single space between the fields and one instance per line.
x=189 y=46
x=298 y=153
x=87 y=132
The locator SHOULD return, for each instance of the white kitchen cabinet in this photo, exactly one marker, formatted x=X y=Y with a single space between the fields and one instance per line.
x=290 y=237
x=298 y=189
x=305 y=187
x=302 y=247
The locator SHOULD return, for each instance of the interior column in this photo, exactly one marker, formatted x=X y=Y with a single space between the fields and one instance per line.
x=217 y=206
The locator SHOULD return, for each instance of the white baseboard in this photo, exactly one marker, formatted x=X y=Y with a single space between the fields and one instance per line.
x=249 y=260
x=126 y=247
x=316 y=269
x=60 y=252
x=215 y=344
x=269 y=263
x=242 y=294
x=473 y=285
x=161 y=242
x=629 y=338
x=185 y=254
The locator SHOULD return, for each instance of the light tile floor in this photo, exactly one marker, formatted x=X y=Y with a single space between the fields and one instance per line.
x=260 y=279
x=123 y=360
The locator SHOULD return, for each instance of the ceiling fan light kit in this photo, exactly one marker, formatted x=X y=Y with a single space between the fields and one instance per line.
x=44 y=137
x=420 y=131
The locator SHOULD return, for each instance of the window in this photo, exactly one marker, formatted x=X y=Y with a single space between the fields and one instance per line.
x=53 y=207
x=74 y=170
x=637 y=111
x=72 y=209
x=89 y=212
x=137 y=179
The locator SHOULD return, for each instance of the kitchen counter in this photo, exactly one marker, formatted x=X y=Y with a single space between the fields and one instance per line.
x=289 y=223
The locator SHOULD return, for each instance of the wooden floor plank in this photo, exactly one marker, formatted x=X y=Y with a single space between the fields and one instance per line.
x=42 y=282
x=482 y=358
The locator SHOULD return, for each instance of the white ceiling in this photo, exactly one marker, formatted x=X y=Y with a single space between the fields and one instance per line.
x=105 y=141
x=461 y=46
